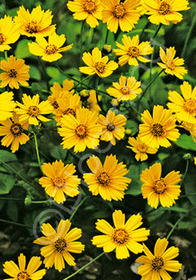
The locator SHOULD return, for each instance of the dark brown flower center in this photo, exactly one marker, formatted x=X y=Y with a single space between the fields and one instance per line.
x=133 y=52
x=190 y=105
x=81 y=131
x=160 y=186
x=157 y=263
x=119 y=11
x=33 y=111
x=103 y=179
x=12 y=73
x=100 y=67
x=157 y=129
x=23 y=275
x=51 y=49
x=120 y=236
x=125 y=90
x=60 y=245
x=110 y=127
x=32 y=27
x=55 y=105
x=142 y=148
x=70 y=111
x=164 y=8
x=16 y=129
x=58 y=182
x=2 y=39
x=89 y=6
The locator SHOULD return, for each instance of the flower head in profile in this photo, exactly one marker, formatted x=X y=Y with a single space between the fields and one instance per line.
x=171 y=65
x=159 y=128
x=140 y=148
x=96 y=64
x=132 y=50
x=156 y=266
x=16 y=72
x=58 y=244
x=81 y=131
x=120 y=14
x=108 y=179
x=59 y=180
x=20 y=272
x=191 y=128
x=156 y=188
x=89 y=10
x=13 y=131
x=126 y=89
x=112 y=127
x=8 y=33
x=165 y=11
x=38 y=22
x=183 y=106
x=32 y=110
x=7 y=105
x=89 y=100
x=49 y=50
x=123 y=237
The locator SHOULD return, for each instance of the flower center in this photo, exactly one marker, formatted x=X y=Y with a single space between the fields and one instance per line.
x=133 y=52
x=171 y=66
x=120 y=236
x=81 y=131
x=164 y=8
x=160 y=186
x=32 y=27
x=100 y=67
x=119 y=11
x=58 y=182
x=103 y=179
x=89 y=7
x=51 y=49
x=16 y=129
x=12 y=73
x=60 y=245
x=2 y=39
x=70 y=111
x=190 y=105
x=110 y=127
x=33 y=111
x=55 y=105
x=157 y=263
x=157 y=129
x=125 y=90
x=142 y=148
x=23 y=276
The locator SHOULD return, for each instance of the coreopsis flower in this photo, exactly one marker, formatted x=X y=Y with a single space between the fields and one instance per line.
x=90 y=101
x=126 y=89
x=49 y=50
x=183 y=106
x=20 y=272
x=89 y=10
x=191 y=128
x=158 y=129
x=8 y=33
x=59 y=180
x=58 y=244
x=140 y=148
x=7 y=105
x=123 y=237
x=112 y=127
x=81 y=131
x=165 y=11
x=156 y=188
x=156 y=266
x=13 y=131
x=38 y=22
x=132 y=50
x=32 y=110
x=172 y=66
x=96 y=64
x=16 y=72
x=108 y=179
x=120 y=14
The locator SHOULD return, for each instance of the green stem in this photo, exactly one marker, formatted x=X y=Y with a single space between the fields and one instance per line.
x=157 y=31
x=13 y=223
x=11 y=198
x=5 y=53
x=81 y=41
x=173 y=228
x=37 y=150
x=188 y=36
x=185 y=172
x=76 y=209
x=43 y=90
x=106 y=36
x=39 y=202
x=45 y=76
x=83 y=267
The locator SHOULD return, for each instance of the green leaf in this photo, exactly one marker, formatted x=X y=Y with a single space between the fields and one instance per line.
x=7 y=182
x=12 y=210
x=58 y=152
x=22 y=50
x=34 y=73
x=190 y=188
x=53 y=72
x=186 y=142
x=7 y=156
x=133 y=126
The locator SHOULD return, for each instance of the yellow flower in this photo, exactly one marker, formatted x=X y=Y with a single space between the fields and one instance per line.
x=59 y=243
x=17 y=72
x=157 y=129
x=59 y=180
x=183 y=106
x=22 y=273
x=195 y=160
x=8 y=33
x=123 y=237
x=35 y=23
x=107 y=180
x=140 y=148
x=156 y=266
x=89 y=10
x=191 y=128
x=120 y=14
x=49 y=51
x=7 y=105
x=112 y=127
x=126 y=89
x=97 y=64
x=81 y=131
x=172 y=66
x=13 y=132
x=32 y=110
x=165 y=11
x=132 y=50
x=90 y=101
x=156 y=188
